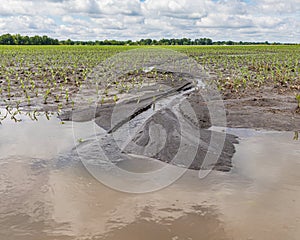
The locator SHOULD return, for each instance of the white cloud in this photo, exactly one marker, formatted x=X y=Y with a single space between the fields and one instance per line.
x=279 y=6
x=225 y=21
x=27 y=24
x=259 y=20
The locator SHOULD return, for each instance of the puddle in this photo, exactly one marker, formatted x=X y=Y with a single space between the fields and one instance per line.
x=40 y=139
x=42 y=199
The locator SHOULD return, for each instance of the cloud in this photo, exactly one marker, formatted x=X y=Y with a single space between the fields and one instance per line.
x=259 y=20
x=27 y=24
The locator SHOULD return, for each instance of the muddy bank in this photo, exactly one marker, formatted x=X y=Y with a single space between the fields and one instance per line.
x=131 y=103
x=163 y=138
x=171 y=116
x=163 y=125
x=259 y=109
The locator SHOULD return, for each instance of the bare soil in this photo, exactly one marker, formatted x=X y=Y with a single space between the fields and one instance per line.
x=265 y=108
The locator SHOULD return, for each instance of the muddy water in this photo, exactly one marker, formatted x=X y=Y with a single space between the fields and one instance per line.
x=45 y=197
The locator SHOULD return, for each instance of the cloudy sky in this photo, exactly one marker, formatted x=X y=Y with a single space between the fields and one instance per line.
x=246 y=20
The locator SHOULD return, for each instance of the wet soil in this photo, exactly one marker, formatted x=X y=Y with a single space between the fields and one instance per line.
x=168 y=126
x=267 y=108
x=264 y=108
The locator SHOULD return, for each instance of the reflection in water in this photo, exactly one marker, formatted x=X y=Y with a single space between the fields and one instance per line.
x=201 y=224
x=70 y=204
x=43 y=197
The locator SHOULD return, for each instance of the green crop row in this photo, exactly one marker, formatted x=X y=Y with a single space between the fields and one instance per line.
x=31 y=76
x=239 y=68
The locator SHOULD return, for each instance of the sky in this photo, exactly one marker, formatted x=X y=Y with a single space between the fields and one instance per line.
x=237 y=20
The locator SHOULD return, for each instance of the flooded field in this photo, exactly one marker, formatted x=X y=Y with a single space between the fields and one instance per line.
x=47 y=193
x=149 y=113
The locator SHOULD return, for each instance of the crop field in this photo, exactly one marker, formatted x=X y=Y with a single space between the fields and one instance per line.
x=239 y=68
x=46 y=78
x=149 y=121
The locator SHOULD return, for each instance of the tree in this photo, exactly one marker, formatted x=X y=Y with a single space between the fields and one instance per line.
x=7 y=39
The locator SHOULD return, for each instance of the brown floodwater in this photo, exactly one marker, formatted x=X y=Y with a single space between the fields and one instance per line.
x=46 y=194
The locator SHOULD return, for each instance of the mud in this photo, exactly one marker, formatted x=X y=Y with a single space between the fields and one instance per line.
x=164 y=131
x=131 y=103
x=165 y=124
x=259 y=109
x=165 y=145
x=153 y=104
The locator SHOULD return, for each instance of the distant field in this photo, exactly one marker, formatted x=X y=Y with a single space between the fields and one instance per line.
x=51 y=74
x=238 y=68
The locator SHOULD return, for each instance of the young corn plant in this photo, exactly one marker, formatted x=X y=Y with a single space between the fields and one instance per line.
x=298 y=100
x=47 y=93
x=296 y=136
x=57 y=96
x=115 y=98
x=67 y=96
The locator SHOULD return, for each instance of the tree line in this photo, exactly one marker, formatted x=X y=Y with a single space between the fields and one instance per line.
x=17 y=39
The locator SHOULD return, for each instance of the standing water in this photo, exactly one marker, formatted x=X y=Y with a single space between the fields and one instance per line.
x=45 y=193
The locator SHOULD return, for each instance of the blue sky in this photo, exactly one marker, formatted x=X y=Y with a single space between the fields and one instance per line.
x=246 y=20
